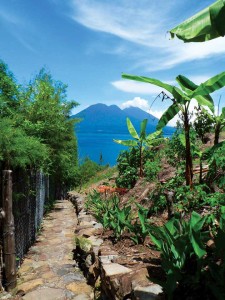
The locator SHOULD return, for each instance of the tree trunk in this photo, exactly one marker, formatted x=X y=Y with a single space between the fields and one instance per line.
x=141 y=161
x=200 y=171
x=189 y=166
x=217 y=134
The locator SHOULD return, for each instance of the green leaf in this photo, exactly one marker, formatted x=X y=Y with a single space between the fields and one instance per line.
x=211 y=85
x=153 y=81
x=210 y=151
x=152 y=136
x=182 y=139
x=196 y=221
x=223 y=112
x=176 y=92
x=132 y=130
x=156 y=241
x=197 y=244
x=168 y=115
x=206 y=25
x=186 y=84
x=205 y=101
x=143 y=129
x=129 y=143
x=196 y=224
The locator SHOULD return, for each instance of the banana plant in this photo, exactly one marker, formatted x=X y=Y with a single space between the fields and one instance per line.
x=181 y=103
x=140 y=140
x=219 y=123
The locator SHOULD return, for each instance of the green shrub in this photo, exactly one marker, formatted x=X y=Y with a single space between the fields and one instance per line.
x=107 y=212
x=127 y=164
x=182 y=247
x=193 y=270
x=151 y=169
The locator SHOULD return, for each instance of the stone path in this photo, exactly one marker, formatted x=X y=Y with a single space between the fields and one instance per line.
x=49 y=271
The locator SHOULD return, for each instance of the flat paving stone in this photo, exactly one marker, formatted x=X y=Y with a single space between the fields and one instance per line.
x=45 y=294
x=48 y=271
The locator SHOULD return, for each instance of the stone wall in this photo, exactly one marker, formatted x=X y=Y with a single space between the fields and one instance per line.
x=111 y=280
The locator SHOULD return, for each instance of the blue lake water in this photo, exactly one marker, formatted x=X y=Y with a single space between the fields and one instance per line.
x=92 y=145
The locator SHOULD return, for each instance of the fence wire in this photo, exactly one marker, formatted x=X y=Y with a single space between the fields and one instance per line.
x=29 y=199
x=31 y=190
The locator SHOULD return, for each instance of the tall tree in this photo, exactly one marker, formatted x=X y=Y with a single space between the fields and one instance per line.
x=47 y=118
x=9 y=92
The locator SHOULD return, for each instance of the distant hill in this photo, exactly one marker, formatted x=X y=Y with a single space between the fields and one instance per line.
x=100 y=117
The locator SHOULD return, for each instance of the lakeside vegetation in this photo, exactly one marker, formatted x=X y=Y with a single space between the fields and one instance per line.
x=37 y=134
x=191 y=240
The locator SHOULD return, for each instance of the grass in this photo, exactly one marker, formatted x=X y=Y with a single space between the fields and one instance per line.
x=100 y=176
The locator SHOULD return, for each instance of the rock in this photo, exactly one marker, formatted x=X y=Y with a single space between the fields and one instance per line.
x=98 y=226
x=87 y=218
x=140 y=278
x=83 y=243
x=113 y=269
x=87 y=232
x=45 y=294
x=107 y=259
x=95 y=241
x=85 y=223
x=81 y=297
x=79 y=288
x=148 y=293
x=30 y=285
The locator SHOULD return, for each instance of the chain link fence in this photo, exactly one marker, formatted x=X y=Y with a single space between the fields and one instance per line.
x=31 y=191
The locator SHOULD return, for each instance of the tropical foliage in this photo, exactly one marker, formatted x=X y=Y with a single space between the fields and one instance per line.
x=140 y=140
x=206 y=25
x=181 y=102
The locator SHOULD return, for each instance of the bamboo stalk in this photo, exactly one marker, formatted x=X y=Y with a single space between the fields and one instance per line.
x=9 y=254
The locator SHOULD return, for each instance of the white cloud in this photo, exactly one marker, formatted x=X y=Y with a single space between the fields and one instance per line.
x=135 y=87
x=119 y=18
x=145 y=24
x=180 y=52
x=136 y=102
x=144 y=105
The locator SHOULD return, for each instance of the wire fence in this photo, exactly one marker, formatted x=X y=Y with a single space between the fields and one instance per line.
x=30 y=197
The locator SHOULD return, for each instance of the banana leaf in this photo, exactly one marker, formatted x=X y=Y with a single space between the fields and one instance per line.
x=143 y=129
x=206 y=25
x=168 y=115
x=176 y=92
x=129 y=143
x=132 y=130
x=189 y=86
x=209 y=86
x=223 y=112
x=152 y=137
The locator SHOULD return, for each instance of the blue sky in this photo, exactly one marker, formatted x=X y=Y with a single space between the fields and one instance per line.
x=87 y=44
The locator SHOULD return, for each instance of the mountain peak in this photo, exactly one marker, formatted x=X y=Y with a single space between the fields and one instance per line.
x=100 y=117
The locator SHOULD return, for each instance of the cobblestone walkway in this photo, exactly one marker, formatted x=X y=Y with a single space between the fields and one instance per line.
x=48 y=271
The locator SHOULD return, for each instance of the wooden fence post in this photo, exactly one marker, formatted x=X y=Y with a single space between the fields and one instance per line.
x=9 y=254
